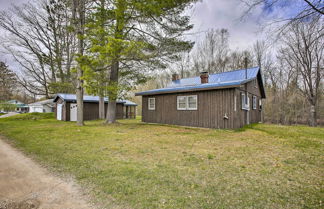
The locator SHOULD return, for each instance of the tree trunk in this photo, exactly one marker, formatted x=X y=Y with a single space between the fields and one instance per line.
x=101 y=93
x=101 y=108
x=111 y=110
x=79 y=95
x=313 y=121
x=79 y=91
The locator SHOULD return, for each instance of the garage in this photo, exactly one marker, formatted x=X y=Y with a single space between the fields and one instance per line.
x=42 y=106
x=66 y=107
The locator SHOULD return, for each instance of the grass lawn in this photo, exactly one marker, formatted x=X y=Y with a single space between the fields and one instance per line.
x=137 y=165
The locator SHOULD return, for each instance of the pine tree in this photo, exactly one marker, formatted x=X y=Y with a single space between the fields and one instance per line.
x=8 y=82
x=129 y=37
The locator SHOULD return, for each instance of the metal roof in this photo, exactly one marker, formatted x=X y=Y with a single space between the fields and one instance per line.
x=39 y=103
x=89 y=98
x=129 y=103
x=219 y=80
x=14 y=102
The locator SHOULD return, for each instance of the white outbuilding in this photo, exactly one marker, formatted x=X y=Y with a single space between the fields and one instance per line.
x=42 y=106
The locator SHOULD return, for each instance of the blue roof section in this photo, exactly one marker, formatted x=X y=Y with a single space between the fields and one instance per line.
x=90 y=98
x=129 y=103
x=219 y=80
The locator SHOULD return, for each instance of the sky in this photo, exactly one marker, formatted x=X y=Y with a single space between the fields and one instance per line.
x=207 y=14
x=226 y=14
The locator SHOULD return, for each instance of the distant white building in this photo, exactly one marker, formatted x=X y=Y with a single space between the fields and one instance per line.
x=42 y=106
x=20 y=107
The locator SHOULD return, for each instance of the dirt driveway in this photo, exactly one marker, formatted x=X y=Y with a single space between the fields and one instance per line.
x=25 y=184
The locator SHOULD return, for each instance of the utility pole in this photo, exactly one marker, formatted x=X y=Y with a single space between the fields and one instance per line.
x=246 y=92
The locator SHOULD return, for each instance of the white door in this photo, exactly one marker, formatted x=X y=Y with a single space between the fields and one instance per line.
x=59 y=111
x=73 y=112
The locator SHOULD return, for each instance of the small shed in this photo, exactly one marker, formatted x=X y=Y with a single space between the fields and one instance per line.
x=42 y=106
x=65 y=106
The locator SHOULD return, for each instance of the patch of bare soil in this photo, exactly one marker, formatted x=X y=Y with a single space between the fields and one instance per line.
x=25 y=204
x=26 y=185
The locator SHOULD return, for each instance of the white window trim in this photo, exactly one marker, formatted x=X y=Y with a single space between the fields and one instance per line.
x=192 y=108
x=254 y=101
x=149 y=102
x=246 y=102
x=187 y=102
x=178 y=99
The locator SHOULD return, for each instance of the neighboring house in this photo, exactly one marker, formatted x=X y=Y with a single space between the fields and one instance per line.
x=20 y=107
x=225 y=100
x=42 y=106
x=66 y=107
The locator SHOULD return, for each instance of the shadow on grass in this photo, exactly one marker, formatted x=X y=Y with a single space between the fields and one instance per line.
x=246 y=127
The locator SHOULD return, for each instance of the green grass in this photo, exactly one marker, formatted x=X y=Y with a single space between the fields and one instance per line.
x=138 y=165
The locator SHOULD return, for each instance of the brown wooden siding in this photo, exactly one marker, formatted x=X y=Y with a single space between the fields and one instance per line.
x=253 y=89
x=91 y=110
x=129 y=112
x=212 y=107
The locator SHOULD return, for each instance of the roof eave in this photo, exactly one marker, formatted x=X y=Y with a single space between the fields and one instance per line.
x=186 y=90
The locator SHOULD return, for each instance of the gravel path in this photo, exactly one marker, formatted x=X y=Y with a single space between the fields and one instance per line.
x=24 y=184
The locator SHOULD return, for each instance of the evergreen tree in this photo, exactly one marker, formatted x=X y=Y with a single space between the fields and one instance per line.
x=128 y=38
x=8 y=82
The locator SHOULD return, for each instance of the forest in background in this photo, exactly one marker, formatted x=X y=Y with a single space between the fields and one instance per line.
x=115 y=48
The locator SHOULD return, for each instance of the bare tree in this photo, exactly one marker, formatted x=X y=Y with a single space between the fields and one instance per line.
x=38 y=37
x=237 y=58
x=303 y=50
x=212 y=52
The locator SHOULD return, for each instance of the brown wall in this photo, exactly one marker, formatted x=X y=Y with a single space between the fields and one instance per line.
x=212 y=107
x=91 y=110
x=253 y=89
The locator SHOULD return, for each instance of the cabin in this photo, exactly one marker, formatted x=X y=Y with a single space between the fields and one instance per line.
x=42 y=106
x=65 y=107
x=227 y=100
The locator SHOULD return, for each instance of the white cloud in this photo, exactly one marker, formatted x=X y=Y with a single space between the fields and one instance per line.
x=227 y=14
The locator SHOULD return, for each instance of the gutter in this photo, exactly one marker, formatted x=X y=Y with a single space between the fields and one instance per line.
x=186 y=90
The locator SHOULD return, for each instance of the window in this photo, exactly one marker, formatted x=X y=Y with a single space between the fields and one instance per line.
x=260 y=104
x=151 y=103
x=187 y=102
x=181 y=102
x=254 y=104
x=245 y=101
x=192 y=102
